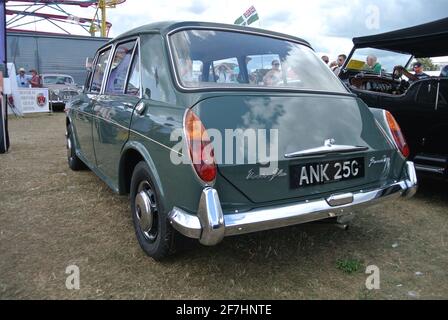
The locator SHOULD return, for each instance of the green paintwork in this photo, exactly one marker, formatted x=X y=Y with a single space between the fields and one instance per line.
x=303 y=121
x=107 y=129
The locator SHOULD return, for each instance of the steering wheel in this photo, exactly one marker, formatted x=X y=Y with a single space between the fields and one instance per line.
x=396 y=74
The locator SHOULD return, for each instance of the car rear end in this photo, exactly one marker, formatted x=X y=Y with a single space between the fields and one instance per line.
x=272 y=155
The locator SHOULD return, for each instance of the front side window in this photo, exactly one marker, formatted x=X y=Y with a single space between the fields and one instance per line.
x=235 y=59
x=119 y=68
x=98 y=73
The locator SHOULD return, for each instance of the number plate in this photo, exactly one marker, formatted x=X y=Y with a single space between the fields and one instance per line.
x=325 y=172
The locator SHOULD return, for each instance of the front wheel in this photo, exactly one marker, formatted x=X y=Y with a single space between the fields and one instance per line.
x=154 y=233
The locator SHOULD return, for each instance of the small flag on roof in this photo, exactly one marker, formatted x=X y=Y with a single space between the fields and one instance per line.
x=248 y=17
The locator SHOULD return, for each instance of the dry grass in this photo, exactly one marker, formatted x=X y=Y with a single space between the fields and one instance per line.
x=51 y=217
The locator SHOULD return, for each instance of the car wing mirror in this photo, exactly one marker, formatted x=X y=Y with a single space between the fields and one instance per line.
x=147 y=93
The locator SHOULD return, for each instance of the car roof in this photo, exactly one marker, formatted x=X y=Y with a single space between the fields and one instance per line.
x=166 y=27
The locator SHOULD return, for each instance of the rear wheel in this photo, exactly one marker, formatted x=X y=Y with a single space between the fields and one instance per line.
x=73 y=161
x=152 y=228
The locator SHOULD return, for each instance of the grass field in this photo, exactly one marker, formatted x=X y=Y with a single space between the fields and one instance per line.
x=51 y=217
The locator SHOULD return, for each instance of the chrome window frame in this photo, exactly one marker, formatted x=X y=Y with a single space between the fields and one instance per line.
x=137 y=50
x=181 y=87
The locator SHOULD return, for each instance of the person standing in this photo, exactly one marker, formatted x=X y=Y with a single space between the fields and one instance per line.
x=373 y=65
x=340 y=63
x=35 y=79
x=273 y=77
x=23 y=80
x=444 y=72
x=325 y=59
x=419 y=73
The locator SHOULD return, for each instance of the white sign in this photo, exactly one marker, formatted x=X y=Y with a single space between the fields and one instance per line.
x=32 y=100
x=25 y=100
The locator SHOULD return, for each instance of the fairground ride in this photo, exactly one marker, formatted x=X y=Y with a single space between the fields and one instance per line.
x=23 y=13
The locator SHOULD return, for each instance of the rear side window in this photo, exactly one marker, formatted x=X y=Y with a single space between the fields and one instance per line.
x=133 y=86
x=98 y=73
x=156 y=80
x=119 y=68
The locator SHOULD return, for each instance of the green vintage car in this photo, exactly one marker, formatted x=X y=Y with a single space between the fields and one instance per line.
x=219 y=130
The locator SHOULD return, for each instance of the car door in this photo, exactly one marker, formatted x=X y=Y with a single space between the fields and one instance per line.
x=114 y=107
x=422 y=114
x=435 y=141
x=84 y=115
x=414 y=111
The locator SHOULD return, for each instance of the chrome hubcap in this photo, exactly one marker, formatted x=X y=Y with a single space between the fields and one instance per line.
x=69 y=147
x=146 y=211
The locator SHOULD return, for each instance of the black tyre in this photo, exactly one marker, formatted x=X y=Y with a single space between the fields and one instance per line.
x=152 y=228
x=73 y=161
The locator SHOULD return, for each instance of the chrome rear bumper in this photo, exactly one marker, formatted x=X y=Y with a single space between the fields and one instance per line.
x=211 y=225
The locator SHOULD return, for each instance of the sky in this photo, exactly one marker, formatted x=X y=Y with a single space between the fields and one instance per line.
x=328 y=25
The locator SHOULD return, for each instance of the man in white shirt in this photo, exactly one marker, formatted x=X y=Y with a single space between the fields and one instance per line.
x=23 y=81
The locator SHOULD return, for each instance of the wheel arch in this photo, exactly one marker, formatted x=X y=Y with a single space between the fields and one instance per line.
x=134 y=152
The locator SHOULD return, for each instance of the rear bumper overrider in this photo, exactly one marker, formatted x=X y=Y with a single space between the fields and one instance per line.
x=211 y=224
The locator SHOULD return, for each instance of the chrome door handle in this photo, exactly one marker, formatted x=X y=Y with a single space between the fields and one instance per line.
x=140 y=108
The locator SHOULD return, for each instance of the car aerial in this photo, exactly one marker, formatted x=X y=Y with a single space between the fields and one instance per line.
x=61 y=89
x=419 y=105
x=219 y=130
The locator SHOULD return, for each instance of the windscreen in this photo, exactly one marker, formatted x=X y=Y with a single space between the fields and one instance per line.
x=57 y=80
x=376 y=60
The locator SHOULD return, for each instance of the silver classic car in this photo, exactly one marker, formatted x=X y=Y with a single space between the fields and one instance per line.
x=61 y=89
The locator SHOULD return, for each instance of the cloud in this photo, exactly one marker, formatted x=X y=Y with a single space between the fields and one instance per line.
x=278 y=17
x=198 y=6
x=353 y=20
x=329 y=25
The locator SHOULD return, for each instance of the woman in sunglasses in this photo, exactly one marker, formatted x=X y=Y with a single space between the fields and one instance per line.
x=274 y=76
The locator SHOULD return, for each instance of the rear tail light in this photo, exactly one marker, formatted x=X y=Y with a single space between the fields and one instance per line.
x=200 y=148
x=399 y=139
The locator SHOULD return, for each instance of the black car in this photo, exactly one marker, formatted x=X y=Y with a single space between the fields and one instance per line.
x=374 y=72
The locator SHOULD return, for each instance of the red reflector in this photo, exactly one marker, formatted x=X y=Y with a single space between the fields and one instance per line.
x=398 y=135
